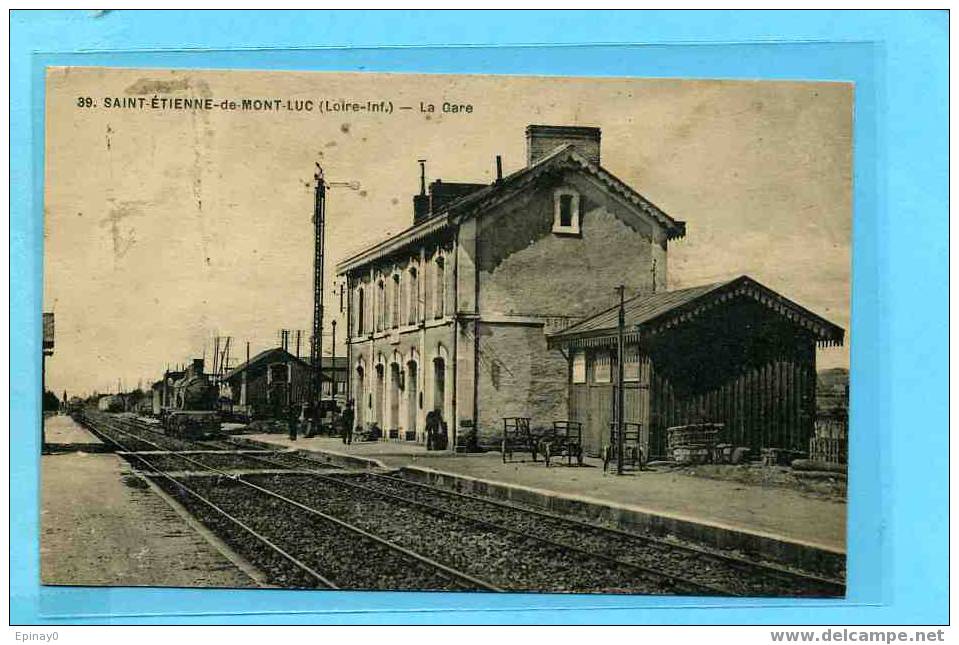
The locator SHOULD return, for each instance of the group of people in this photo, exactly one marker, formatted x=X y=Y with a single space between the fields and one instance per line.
x=343 y=424
x=302 y=417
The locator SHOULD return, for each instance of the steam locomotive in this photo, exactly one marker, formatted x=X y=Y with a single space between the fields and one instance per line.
x=193 y=414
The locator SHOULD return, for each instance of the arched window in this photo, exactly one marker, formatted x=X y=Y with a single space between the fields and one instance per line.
x=414 y=297
x=395 y=309
x=360 y=313
x=439 y=294
x=380 y=305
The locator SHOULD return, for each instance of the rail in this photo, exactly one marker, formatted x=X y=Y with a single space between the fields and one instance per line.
x=449 y=571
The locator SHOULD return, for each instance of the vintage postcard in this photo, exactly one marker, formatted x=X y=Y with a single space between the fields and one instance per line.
x=460 y=333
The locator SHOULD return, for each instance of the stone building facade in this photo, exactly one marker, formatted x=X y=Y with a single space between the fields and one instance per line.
x=452 y=313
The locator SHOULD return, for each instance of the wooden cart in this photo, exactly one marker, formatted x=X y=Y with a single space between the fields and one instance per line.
x=517 y=437
x=564 y=440
x=635 y=442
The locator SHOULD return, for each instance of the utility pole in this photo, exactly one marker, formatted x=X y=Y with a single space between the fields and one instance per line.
x=316 y=351
x=333 y=363
x=620 y=354
x=319 y=231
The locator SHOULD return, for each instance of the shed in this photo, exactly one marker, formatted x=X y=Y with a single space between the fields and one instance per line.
x=733 y=352
x=267 y=383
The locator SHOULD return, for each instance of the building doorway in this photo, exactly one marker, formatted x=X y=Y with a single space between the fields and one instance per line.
x=412 y=394
x=378 y=396
x=395 y=388
x=439 y=386
x=361 y=403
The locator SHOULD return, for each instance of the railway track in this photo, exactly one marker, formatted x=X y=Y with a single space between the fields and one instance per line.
x=296 y=545
x=511 y=547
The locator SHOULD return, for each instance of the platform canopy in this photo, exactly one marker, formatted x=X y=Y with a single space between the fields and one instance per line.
x=651 y=314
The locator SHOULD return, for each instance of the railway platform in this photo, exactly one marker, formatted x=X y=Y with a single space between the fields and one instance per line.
x=794 y=528
x=102 y=525
x=61 y=433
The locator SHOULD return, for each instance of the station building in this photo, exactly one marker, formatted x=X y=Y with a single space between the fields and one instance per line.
x=463 y=312
x=452 y=313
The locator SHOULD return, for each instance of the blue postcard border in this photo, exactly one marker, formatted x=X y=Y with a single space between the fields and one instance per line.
x=898 y=511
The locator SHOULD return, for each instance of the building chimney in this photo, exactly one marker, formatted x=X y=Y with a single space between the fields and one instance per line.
x=499 y=168
x=543 y=139
x=421 y=202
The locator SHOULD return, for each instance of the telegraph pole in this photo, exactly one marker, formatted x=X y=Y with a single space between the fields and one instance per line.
x=319 y=231
x=620 y=355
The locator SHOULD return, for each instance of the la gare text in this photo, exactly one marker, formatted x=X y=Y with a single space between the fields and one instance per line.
x=270 y=105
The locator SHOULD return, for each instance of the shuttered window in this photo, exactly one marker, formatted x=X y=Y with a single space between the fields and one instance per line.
x=579 y=367
x=602 y=367
x=414 y=297
x=631 y=365
x=360 y=313
x=440 y=304
x=395 y=309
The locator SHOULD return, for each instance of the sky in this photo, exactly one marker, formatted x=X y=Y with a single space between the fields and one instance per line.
x=167 y=226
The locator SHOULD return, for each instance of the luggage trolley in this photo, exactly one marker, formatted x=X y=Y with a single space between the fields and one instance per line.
x=564 y=440
x=635 y=441
x=517 y=437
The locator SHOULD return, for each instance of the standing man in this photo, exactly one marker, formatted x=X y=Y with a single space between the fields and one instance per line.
x=292 y=420
x=306 y=420
x=347 y=419
x=432 y=428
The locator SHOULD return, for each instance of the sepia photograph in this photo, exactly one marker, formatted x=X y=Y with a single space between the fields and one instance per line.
x=476 y=333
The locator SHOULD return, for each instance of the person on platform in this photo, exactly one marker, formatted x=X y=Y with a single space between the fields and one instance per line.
x=442 y=437
x=435 y=431
x=346 y=421
x=292 y=420
x=306 y=420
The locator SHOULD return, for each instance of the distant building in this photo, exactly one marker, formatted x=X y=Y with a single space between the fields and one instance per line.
x=275 y=378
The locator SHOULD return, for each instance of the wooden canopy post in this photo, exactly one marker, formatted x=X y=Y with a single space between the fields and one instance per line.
x=620 y=393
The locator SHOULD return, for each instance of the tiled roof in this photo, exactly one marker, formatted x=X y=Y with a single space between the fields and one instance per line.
x=262 y=356
x=654 y=312
x=278 y=353
x=639 y=309
x=496 y=192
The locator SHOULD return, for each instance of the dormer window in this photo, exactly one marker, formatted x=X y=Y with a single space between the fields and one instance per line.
x=566 y=216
